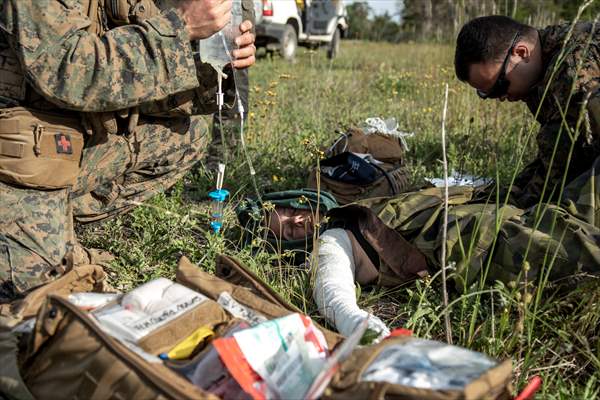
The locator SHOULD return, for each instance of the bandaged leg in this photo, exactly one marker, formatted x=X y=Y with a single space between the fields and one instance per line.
x=334 y=290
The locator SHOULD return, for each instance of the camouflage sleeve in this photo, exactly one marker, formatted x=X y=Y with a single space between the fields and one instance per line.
x=555 y=151
x=568 y=134
x=202 y=100
x=78 y=70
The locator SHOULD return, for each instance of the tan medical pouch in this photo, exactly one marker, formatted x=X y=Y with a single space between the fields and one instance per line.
x=39 y=149
x=395 y=178
x=347 y=384
x=70 y=356
x=82 y=278
x=397 y=181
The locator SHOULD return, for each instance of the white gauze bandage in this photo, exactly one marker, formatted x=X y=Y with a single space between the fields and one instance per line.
x=334 y=290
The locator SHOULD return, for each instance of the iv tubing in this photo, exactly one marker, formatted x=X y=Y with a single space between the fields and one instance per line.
x=243 y=142
x=241 y=111
x=220 y=101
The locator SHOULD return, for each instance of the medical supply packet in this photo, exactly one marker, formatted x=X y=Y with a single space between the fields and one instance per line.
x=405 y=367
x=428 y=364
x=331 y=366
x=239 y=310
x=286 y=353
x=90 y=300
x=147 y=308
x=206 y=370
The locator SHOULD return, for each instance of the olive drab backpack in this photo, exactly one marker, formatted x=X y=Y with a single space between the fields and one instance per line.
x=360 y=165
x=252 y=215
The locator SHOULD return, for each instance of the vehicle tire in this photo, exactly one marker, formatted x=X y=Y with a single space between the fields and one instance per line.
x=334 y=47
x=289 y=43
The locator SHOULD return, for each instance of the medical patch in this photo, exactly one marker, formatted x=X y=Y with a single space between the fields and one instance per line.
x=63 y=143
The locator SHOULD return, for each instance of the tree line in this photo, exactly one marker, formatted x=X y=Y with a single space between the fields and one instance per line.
x=440 y=20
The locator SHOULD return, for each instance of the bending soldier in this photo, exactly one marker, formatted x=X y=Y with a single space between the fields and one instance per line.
x=543 y=233
x=506 y=60
x=98 y=104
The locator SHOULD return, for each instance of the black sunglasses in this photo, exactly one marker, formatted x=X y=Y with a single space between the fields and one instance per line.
x=502 y=84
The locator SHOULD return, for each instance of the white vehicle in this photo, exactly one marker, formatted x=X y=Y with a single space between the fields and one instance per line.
x=282 y=25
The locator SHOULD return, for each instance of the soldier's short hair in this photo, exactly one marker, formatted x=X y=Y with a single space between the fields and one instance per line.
x=486 y=39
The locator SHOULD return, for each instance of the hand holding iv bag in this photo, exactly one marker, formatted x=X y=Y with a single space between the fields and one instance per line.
x=216 y=49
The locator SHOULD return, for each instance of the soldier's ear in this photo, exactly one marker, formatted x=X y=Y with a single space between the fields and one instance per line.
x=523 y=49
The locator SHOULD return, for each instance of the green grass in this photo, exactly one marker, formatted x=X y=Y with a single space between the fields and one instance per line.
x=295 y=109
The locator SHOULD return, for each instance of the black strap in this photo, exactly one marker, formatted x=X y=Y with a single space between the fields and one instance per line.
x=352 y=226
x=392 y=182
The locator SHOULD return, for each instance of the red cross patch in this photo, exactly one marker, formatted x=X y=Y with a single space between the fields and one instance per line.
x=63 y=143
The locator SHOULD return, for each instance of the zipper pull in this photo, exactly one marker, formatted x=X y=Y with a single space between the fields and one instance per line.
x=8 y=112
x=38 y=131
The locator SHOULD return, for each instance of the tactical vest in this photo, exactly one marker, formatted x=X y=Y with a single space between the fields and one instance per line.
x=12 y=79
x=20 y=162
x=36 y=137
x=103 y=15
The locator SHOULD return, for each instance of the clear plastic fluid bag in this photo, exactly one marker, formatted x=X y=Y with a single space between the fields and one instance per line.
x=427 y=364
x=216 y=49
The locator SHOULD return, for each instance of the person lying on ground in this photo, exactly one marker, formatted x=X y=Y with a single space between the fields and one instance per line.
x=336 y=264
x=130 y=87
x=544 y=233
x=392 y=241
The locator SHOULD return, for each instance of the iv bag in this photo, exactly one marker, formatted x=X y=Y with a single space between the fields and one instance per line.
x=216 y=49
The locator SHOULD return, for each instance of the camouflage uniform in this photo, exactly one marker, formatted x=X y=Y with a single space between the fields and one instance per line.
x=484 y=241
x=560 y=240
x=535 y=237
x=54 y=56
x=570 y=80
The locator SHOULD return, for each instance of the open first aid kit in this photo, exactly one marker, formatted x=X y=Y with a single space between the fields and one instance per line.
x=230 y=336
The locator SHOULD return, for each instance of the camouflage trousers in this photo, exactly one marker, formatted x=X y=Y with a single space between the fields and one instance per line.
x=488 y=242
x=117 y=173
